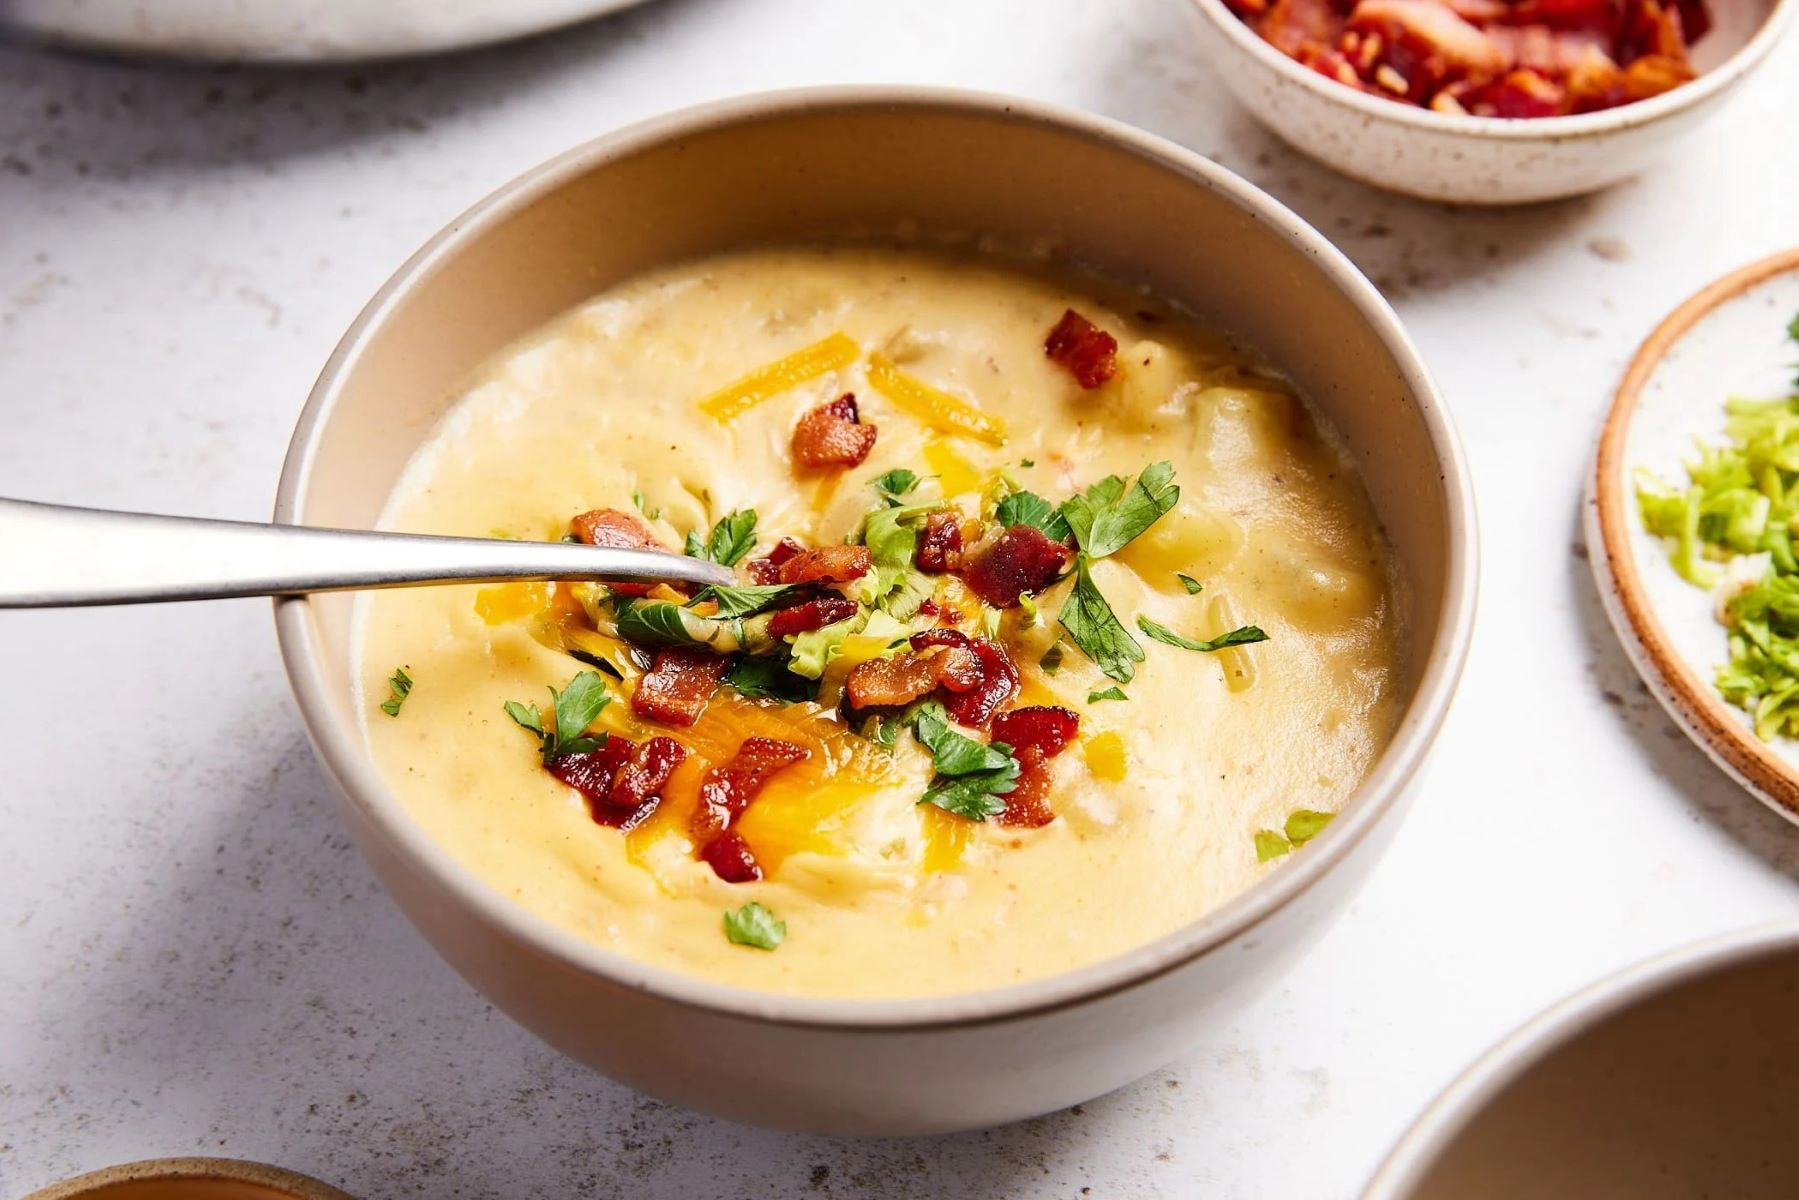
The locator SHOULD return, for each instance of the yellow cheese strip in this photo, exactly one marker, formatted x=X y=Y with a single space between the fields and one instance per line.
x=1106 y=755
x=954 y=473
x=764 y=383
x=935 y=408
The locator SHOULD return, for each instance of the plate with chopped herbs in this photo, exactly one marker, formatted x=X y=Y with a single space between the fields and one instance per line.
x=1694 y=522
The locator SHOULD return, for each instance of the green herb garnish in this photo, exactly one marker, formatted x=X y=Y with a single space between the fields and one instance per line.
x=894 y=484
x=1270 y=845
x=1095 y=628
x=637 y=499
x=1248 y=635
x=744 y=601
x=1027 y=462
x=896 y=585
x=1051 y=662
x=769 y=679
x=1028 y=508
x=1304 y=824
x=972 y=778
x=1112 y=693
x=731 y=539
x=399 y=686
x=1193 y=586
x=1108 y=515
x=753 y=925
x=573 y=709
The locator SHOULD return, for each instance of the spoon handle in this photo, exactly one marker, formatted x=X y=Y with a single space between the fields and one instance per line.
x=53 y=556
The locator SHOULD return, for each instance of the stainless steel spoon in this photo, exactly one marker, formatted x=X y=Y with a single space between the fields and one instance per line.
x=54 y=556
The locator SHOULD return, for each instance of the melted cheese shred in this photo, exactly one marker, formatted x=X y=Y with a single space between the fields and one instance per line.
x=1160 y=800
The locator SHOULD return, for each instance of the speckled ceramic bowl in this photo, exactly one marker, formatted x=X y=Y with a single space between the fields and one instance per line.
x=191 y=1179
x=1483 y=160
x=1671 y=1081
x=805 y=166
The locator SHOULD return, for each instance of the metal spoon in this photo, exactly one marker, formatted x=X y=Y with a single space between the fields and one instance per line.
x=54 y=556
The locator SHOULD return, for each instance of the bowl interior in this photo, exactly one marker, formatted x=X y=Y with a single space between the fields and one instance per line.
x=806 y=166
x=1686 y=1092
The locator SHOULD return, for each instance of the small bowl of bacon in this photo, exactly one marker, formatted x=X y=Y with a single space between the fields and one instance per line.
x=1487 y=101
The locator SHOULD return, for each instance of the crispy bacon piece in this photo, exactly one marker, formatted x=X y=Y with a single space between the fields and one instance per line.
x=1085 y=350
x=830 y=436
x=827 y=564
x=1024 y=559
x=622 y=781
x=903 y=678
x=768 y=570
x=940 y=543
x=726 y=792
x=1044 y=727
x=619 y=530
x=679 y=683
x=998 y=684
x=1027 y=804
x=730 y=858
x=813 y=614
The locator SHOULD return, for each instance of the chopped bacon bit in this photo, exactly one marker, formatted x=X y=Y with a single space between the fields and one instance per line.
x=813 y=614
x=1027 y=804
x=1044 y=728
x=730 y=859
x=768 y=570
x=724 y=795
x=622 y=781
x=903 y=678
x=940 y=543
x=827 y=564
x=1085 y=350
x=999 y=683
x=928 y=607
x=678 y=685
x=829 y=435
x=1490 y=58
x=618 y=530
x=1024 y=559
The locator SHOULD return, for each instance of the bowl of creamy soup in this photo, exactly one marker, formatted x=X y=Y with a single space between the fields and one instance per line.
x=1102 y=567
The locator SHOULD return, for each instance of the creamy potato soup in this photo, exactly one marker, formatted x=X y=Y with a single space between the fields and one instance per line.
x=1058 y=622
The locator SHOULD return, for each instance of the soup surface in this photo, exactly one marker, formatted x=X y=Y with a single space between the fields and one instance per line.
x=1159 y=639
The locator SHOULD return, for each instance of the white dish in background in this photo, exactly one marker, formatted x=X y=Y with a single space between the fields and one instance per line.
x=1482 y=160
x=296 y=31
x=1668 y=1081
x=1729 y=339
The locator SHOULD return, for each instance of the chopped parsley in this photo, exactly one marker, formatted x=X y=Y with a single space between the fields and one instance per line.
x=1108 y=515
x=637 y=499
x=1270 y=845
x=573 y=709
x=1112 y=693
x=1304 y=824
x=731 y=539
x=1193 y=586
x=972 y=779
x=745 y=601
x=753 y=925
x=1028 y=508
x=1095 y=628
x=1027 y=462
x=1051 y=662
x=1247 y=635
x=769 y=679
x=399 y=686
x=894 y=484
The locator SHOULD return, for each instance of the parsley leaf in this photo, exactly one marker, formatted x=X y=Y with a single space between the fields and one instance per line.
x=1027 y=462
x=1248 y=635
x=753 y=925
x=744 y=601
x=1270 y=845
x=769 y=678
x=974 y=797
x=1304 y=824
x=1193 y=586
x=971 y=777
x=637 y=499
x=1028 y=508
x=1051 y=662
x=1107 y=515
x=1112 y=693
x=573 y=709
x=894 y=484
x=730 y=542
x=1095 y=628
x=399 y=686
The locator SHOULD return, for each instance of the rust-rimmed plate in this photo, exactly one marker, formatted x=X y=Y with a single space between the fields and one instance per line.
x=1729 y=339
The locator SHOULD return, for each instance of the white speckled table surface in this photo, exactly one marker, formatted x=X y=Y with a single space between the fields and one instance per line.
x=194 y=960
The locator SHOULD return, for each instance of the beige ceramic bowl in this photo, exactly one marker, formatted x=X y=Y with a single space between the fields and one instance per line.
x=1483 y=160
x=806 y=166
x=1671 y=1081
x=191 y=1179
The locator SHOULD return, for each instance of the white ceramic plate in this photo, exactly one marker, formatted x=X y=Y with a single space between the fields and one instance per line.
x=289 y=31
x=1730 y=339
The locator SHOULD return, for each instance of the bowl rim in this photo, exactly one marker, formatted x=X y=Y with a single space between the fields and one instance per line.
x=163 y=1170
x=1450 y=1113
x=1575 y=127
x=345 y=757
x=1691 y=700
